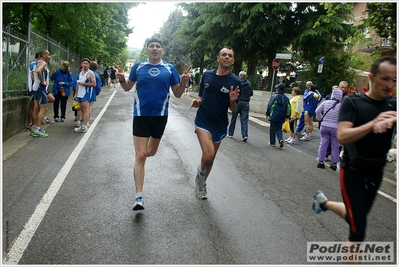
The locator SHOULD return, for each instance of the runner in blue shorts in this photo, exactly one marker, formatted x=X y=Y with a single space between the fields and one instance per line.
x=85 y=89
x=219 y=91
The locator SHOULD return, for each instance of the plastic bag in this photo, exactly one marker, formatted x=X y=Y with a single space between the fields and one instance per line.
x=76 y=105
x=286 y=127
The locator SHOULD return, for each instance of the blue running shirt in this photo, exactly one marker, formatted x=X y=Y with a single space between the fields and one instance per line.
x=214 y=90
x=152 y=87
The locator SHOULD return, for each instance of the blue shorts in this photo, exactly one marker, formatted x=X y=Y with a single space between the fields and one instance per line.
x=86 y=97
x=217 y=137
x=40 y=96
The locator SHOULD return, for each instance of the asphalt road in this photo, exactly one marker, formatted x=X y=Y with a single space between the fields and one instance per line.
x=67 y=199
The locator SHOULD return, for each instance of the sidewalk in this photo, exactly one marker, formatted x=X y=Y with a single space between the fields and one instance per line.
x=19 y=140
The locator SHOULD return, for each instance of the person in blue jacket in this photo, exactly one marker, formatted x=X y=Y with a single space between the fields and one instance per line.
x=302 y=122
x=278 y=110
x=62 y=78
x=310 y=101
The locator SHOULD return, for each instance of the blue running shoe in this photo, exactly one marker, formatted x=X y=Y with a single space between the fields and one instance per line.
x=319 y=198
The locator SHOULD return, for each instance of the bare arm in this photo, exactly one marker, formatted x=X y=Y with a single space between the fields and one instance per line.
x=348 y=134
x=178 y=89
x=234 y=93
x=126 y=84
x=40 y=67
x=196 y=103
x=92 y=79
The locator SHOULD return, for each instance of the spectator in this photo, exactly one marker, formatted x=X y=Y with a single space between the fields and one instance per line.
x=106 y=76
x=243 y=107
x=85 y=85
x=41 y=80
x=62 y=78
x=310 y=100
x=278 y=110
x=113 y=77
x=296 y=111
x=327 y=113
x=31 y=79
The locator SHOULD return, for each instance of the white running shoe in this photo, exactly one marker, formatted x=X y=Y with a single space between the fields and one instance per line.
x=319 y=198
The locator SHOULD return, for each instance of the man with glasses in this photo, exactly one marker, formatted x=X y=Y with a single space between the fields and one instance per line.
x=365 y=128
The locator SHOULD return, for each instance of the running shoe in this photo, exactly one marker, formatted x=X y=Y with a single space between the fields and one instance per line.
x=39 y=133
x=56 y=119
x=139 y=203
x=199 y=183
x=305 y=137
x=62 y=120
x=319 y=198
x=272 y=145
x=291 y=142
x=203 y=194
x=245 y=139
x=281 y=143
x=33 y=133
x=81 y=129
x=29 y=127
x=288 y=139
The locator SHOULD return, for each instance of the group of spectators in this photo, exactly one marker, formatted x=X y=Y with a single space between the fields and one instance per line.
x=86 y=85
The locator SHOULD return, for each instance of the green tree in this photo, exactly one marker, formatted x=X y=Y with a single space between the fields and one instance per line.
x=381 y=17
x=176 y=49
x=95 y=30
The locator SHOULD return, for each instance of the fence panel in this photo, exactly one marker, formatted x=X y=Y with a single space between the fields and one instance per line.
x=19 y=51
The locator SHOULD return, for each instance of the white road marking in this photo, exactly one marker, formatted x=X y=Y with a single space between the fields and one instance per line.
x=21 y=243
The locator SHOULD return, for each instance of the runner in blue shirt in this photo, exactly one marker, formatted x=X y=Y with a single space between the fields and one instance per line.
x=219 y=90
x=153 y=78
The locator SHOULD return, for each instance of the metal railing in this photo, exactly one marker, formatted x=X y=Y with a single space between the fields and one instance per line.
x=19 y=51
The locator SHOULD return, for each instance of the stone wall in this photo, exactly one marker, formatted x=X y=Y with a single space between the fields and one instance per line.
x=15 y=110
x=259 y=101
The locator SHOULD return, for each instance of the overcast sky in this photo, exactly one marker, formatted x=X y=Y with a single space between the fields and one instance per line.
x=147 y=19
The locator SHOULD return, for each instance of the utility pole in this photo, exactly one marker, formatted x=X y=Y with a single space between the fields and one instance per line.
x=320 y=66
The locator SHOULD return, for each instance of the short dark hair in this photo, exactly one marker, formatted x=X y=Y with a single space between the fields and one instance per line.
x=155 y=40
x=86 y=59
x=37 y=55
x=375 y=68
x=226 y=47
x=43 y=52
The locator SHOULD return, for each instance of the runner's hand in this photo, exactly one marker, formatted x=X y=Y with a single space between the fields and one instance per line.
x=120 y=74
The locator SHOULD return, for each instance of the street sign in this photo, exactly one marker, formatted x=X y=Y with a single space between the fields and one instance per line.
x=283 y=56
x=320 y=68
x=276 y=64
x=320 y=65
